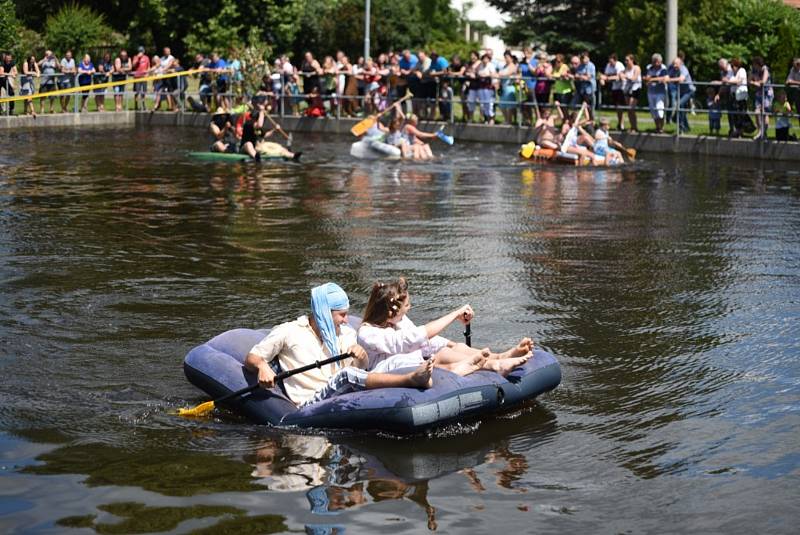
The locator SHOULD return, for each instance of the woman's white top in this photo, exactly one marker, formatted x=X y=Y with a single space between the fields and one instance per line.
x=631 y=83
x=400 y=346
x=741 y=84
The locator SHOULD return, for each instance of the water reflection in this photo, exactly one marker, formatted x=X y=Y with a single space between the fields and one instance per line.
x=668 y=290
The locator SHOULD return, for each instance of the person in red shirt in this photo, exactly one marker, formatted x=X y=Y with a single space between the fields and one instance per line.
x=140 y=66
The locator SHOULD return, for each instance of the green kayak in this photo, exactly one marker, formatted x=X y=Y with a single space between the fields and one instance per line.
x=228 y=157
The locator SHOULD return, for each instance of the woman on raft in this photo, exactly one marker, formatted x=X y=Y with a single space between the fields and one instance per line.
x=252 y=140
x=393 y=341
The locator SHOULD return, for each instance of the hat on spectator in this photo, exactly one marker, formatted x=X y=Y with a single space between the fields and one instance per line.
x=141 y=48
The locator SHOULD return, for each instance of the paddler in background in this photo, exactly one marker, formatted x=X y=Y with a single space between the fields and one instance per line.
x=548 y=134
x=223 y=132
x=252 y=138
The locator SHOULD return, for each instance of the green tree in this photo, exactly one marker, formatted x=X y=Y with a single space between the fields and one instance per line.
x=709 y=30
x=76 y=28
x=9 y=25
x=219 y=33
x=560 y=25
x=254 y=57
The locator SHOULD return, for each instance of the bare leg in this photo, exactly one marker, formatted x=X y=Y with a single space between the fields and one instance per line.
x=632 y=114
x=460 y=353
x=466 y=366
x=524 y=347
x=419 y=378
x=250 y=150
x=505 y=366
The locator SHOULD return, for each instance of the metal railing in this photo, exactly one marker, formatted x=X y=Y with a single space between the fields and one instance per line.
x=444 y=96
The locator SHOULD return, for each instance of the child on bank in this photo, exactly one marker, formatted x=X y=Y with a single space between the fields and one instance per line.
x=783 y=110
x=714 y=112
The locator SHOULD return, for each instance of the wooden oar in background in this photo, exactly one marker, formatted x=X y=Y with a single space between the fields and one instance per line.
x=361 y=127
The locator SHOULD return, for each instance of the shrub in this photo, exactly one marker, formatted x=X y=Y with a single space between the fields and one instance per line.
x=9 y=25
x=75 y=27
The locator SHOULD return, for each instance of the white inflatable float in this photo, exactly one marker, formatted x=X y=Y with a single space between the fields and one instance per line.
x=370 y=149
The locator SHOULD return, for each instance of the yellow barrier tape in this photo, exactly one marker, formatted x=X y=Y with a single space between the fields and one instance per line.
x=85 y=88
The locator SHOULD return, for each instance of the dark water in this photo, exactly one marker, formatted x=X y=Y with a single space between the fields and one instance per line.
x=670 y=292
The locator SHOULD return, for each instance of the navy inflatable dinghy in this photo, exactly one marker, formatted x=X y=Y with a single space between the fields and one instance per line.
x=217 y=368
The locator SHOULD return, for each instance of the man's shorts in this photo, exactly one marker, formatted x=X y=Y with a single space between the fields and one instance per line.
x=657 y=104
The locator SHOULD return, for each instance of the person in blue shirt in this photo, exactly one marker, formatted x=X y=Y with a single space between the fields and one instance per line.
x=408 y=64
x=85 y=72
x=656 y=77
x=585 y=83
x=436 y=72
x=220 y=66
x=527 y=69
x=680 y=81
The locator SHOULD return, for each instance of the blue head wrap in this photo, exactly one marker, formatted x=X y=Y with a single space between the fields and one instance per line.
x=325 y=298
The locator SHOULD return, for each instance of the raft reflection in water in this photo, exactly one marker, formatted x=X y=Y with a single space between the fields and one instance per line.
x=359 y=472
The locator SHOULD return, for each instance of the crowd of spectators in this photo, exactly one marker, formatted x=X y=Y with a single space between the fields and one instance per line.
x=467 y=89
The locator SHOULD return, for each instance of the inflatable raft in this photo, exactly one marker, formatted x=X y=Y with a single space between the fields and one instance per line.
x=230 y=157
x=216 y=367
x=533 y=153
x=370 y=149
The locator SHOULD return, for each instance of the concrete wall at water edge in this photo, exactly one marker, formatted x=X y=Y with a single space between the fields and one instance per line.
x=514 y=135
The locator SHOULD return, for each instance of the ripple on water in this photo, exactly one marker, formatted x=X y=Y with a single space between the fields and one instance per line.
x=668 y=290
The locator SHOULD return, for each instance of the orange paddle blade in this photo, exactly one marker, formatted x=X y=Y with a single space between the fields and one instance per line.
x=200 y=410
x=361 y=127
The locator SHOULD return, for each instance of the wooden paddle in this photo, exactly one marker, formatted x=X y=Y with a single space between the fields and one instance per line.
x=279 y=129
x=626 y=151
x=361 y=127
x=574 y=130
x=208 y=406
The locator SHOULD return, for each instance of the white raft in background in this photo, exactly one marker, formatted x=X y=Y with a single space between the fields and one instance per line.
x=370 y=149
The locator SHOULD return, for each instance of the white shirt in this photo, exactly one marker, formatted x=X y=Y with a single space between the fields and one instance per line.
x=615 y=70
x=166 y=62
x=295 y=344
x=399 y=346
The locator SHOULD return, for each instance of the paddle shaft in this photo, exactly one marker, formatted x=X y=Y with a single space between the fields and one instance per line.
x=574 y=128
x=389 y=108
x=468 y=333
x=284 y=375
x=277 y=126
x=363 y=125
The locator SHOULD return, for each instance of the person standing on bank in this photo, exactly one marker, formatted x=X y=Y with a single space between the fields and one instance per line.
x=613 y=73
x=761 y=79
x=86 y=70
x=793 y=87
x=68 y=72
x=122 y=67
x=632 y=88
x=48 y=66
x=656 y=77
x=680 y=78
x=30 y=71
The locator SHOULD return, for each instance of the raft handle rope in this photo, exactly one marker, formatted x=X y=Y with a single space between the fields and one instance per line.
x=208 y=406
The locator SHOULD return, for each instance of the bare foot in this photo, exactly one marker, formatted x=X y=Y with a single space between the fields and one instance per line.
x=524 y=347
x=505 y=366
x=468 y=366
x=421 y=377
